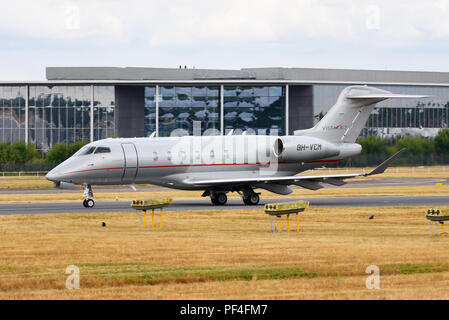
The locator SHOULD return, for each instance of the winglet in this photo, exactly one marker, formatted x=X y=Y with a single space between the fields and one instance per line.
x=384 y=165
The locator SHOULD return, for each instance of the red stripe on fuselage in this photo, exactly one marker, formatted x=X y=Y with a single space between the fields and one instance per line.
x=198 y=165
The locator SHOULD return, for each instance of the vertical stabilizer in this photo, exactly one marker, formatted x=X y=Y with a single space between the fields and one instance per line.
x=346 y=119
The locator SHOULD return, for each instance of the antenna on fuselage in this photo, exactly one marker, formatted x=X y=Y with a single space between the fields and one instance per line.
x=152 y=135
x=230 y=133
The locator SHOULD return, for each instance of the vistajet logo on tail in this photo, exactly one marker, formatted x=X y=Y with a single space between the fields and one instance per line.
x=335 y=127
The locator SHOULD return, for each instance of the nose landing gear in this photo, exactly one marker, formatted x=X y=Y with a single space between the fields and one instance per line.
x=88 y=195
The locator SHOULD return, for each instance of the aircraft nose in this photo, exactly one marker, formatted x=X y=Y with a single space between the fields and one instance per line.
x=53 y=175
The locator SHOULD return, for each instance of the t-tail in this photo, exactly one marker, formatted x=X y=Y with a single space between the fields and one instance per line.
x=346 y=119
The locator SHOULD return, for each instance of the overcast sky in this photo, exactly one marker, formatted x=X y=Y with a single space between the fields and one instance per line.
x=231 y=34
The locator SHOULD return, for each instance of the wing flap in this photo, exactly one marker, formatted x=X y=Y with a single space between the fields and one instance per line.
x=307 y=184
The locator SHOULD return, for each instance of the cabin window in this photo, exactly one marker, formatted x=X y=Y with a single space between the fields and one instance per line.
x=212 y=154
x=102 y=150
x=155 y=157
x=182 y=155
x=168 y=155
x=197 y=154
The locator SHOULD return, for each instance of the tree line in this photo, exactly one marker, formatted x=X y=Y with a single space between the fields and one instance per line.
x=19 y=156
x=419 y=151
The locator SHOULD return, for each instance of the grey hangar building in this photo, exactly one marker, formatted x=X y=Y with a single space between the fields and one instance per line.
x=92 y=103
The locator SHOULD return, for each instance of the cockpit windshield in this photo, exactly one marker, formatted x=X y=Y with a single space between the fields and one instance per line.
x=85 y=150
x=89 y=149
x=102 y=150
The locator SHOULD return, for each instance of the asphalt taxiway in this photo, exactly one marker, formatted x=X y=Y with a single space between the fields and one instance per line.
x=205 y=204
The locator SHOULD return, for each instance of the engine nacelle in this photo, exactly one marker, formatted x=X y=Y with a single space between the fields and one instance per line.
x=301 y=149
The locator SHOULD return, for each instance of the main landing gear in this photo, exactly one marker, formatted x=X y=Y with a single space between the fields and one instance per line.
x=219 y=198
x=252 y=199
x=88 y=195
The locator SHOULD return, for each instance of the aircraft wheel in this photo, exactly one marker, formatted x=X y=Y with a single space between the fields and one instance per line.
x=219 y=199
x=84 y=203
x=252 y=200
x=89 y=203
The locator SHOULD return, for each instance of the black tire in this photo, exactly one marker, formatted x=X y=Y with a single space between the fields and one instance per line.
x=214 y=201
x=90 y=203
x=252 y=200
x=85 y=203
x=219 y=199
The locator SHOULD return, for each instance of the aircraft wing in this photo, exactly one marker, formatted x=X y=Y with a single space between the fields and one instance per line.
x=311 y=182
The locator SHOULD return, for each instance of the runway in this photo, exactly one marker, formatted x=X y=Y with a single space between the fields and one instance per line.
x=205 y=204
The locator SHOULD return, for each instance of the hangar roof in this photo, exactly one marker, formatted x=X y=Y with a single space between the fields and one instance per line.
x=312 y=75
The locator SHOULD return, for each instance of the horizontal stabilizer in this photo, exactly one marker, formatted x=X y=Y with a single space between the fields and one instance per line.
x=385 y=96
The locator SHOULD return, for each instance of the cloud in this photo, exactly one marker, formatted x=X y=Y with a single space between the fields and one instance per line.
x=176 y=21
x=219 y=33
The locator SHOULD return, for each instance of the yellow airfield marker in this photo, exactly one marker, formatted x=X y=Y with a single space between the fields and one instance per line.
x=152 y=218
x=152 y=204
x=285 y=208
x=437 y=217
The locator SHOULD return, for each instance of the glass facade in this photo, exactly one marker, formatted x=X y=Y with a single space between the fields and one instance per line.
x=254 y=107
x=150 y=110
x=104 y=106
x=58 y=114
x=12 y=113
x=63 y=113
x=180 y=106
x=245 y=107
x=55 y=114
x=430 y=112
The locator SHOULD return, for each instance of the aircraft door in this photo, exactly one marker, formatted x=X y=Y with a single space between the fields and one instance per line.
x=131 y=163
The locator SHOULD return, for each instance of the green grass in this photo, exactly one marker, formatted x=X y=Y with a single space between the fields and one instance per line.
x=5 y=269
x=417 y=268
x=142 y=273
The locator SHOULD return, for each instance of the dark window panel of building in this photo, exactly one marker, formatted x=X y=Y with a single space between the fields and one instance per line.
x=12 y=121
x=180 y=106
x=245 y=108
x=104 y=115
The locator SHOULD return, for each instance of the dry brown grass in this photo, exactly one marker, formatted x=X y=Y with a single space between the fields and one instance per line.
x=224 y=255
x=24 y=182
